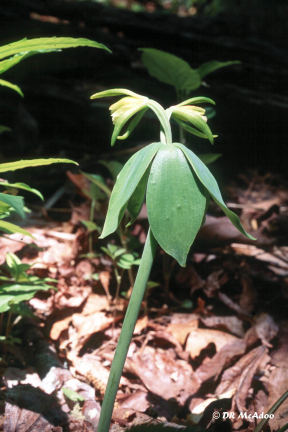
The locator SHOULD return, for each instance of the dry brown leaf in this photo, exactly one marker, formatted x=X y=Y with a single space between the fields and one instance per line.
x=141 y=324
x=180 y=331
x=201 y=338
x=86 y=326
x=230 y=323
x=278 y=380
x=14 y=376
x=104 y=277
x=58 y=327
x=162 y=373
x=95 y=303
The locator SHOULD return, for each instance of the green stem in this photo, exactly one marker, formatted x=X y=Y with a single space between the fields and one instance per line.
x=160 y=113
x=272 y=410
x=127 y=332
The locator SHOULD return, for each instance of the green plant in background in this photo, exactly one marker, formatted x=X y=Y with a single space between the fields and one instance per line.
x=179 y=186
x=174 y=71
x=16 y=287
x=11 y=55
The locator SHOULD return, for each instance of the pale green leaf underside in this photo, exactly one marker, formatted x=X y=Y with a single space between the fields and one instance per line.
x=10 y=228
x=13 y=61
x=126 y=184
x=212 y=66
x=175 y=202
x=12 y=166
x=211 y=185
x=11 y=86
x=123 y=120
x=115 y=92
x=26 y=45
x=170 y=69
x=21 y=186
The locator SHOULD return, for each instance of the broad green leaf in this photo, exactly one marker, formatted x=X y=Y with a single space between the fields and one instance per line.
x=17 y=203
x=10 y=228
x=4 y=129
x=4 y=208
x=170 y=69
x=12 y=166
x=209 y=67
x=72 y=395
x=208 y=158
x=208 y=180
x=126 y=184
x=136 y=201
x=113 y=166
x=50 y=43
x=11 y=86
x=175 y=202
x=21 y=186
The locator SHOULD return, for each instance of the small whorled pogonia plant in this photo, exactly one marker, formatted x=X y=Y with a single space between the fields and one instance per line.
x=178 y=187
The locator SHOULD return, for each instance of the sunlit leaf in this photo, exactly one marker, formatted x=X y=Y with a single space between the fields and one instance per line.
x=126 y=184
x=91 y=226
x=12 y=166
x=116 y=92
x=11 y=86
x=72 y=395
x=10 y=228
x=21 y=186
x=175 y=202
x=41 y=44
x=211 y=185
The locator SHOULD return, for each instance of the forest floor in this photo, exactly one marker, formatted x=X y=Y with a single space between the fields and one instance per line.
x=211 y=338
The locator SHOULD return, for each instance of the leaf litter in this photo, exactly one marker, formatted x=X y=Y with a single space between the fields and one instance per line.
x=227 y=352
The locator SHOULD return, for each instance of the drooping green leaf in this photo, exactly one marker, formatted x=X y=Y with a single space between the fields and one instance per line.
x=175 y=202
x=72 y=395
x=196 y=100
x=126 y=184
x=10 y=228
x=4 y=129
x=11 y=86
x=170 y=69
x=136 y=201
x=50 y=43
x=192 y=130
x=21 y=186
x=17 y=203
x=208 y=158
x=12 y=166
x=208 y=180
x=209 y=67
